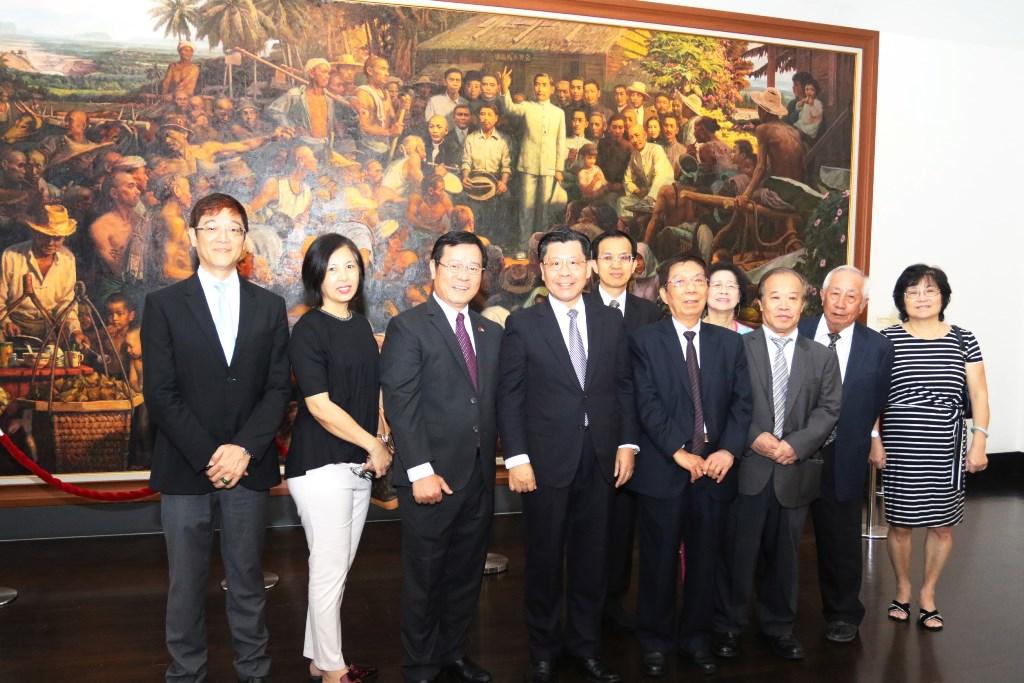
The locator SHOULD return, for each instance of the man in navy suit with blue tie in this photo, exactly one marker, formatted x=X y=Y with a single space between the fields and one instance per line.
x=865 y=362
x=693 y=403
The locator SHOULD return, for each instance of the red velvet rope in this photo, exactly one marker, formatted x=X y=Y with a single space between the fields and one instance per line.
x=53 y=481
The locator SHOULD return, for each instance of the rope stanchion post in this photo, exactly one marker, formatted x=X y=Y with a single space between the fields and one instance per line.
x=874 y=521
x=7 y=595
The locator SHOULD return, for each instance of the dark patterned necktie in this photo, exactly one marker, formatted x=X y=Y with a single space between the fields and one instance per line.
x=467 y=348
x=614 y=303
x=693 y=372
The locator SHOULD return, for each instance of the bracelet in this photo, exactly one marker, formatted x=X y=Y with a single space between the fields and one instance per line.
x=976 y=428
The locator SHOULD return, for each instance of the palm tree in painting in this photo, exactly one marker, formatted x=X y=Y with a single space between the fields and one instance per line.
x=233 y=23
x=176 y=17
x=288 y=21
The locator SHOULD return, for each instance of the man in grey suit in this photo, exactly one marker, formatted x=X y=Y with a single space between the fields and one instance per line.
x=797 y=391
x=542 y=151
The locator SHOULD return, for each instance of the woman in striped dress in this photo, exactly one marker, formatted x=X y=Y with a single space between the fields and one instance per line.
x=925 y=443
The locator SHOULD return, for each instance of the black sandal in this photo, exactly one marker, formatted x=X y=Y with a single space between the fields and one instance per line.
x=901 y=608
x=927 y=616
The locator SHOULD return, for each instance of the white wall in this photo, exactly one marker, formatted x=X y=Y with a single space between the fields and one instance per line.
x=949 y=183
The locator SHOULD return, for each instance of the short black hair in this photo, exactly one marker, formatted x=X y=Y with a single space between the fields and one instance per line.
x=665 y=267
x=452 y=70
x=782 y=271
x=562 y=235
x=914 y=274
x=591 y=81
x=741 y=279
x=119 y=298
x=708 y=124
x=545 y=74
x=314 y=268
x=802 y=77
x=455 y=238
x=595 y=246
x=215 y=203
x=462 y=105
x=492 y=107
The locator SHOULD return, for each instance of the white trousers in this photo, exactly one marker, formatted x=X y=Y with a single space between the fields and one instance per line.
x=332 y=502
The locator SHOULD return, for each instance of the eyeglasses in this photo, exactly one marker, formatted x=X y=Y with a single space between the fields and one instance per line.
x=233 y=231
x=681 y=282
x=609 y=259
x=361 y=472
x=725 y=286
x=570 y=263
x=926 y=293
x=455 y=268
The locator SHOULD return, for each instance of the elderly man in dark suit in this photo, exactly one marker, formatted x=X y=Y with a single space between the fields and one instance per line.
x=797 y=391
x=693 y=403
x=217 y=383
x=439 y=375
x=611 y=261
x=865 y=362
x=567 y=423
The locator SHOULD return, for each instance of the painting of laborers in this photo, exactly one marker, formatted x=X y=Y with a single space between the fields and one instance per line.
x=387 y=123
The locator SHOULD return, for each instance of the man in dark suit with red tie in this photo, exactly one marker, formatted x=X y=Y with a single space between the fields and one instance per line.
x=865 y=363
x=217 y=384
x=693 y=403
x=568 y=430
x=611 y=261
x=439 y=375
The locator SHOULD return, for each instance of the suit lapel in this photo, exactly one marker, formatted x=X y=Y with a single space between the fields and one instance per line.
x=798 y=371
x=595 y=338
x=486 y=352
x=440 y=321
x=195 y=299
x=246 y=317
x=858 y=352
x=674 y=353
x=758 y=359
x=553 y=335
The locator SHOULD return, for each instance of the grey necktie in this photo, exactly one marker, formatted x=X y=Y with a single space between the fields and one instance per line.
x=833 y=338
x=614 y=303
x=780 y=380
x=577 y=354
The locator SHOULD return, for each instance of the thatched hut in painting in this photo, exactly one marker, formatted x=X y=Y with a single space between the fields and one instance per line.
x=531 y=44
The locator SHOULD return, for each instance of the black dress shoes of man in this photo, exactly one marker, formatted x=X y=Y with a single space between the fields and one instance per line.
x=840 y=631
x=541 y=671
x=595 y=671
x=726 y=645
x=465 y=669
x=703 y=660
x=786 y=647
x=254 y=679
x=654 y=664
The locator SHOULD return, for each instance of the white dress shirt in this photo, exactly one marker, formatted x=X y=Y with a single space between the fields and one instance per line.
x=450 y=313
x=787 y=352
x=608 y=299
x=843 y=344
x=227 y=330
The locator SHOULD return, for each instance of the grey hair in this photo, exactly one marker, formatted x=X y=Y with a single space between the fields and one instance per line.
x=865 y=288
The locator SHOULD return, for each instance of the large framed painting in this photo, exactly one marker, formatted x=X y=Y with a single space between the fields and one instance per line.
x=391 y=123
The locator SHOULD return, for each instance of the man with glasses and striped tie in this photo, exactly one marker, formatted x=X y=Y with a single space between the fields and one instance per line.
x=568 y=428
x=439 y=376
x=797 y=391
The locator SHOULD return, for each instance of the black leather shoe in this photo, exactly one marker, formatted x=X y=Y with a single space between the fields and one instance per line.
x=255 y=679
x=726 y=645
x=786 y=647
x=654 y=664
x=465 y=669
x=703 y=660
x=541 y=671
x=595 y=671
x=840 y=631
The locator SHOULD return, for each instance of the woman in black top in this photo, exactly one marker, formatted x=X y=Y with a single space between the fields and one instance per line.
x=337 y=443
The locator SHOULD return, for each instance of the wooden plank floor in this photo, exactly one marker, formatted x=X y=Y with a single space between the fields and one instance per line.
x=91 y=610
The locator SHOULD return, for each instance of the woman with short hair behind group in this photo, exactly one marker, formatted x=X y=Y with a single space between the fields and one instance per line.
x=926 y=451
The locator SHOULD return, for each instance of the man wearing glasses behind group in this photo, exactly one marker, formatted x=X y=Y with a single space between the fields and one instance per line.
x=612 y=255
x=217 y=383
x=439 y=375
x=567 y=425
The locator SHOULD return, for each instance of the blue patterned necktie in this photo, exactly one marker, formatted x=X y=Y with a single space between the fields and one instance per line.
x=577 y=354
x=780 y=378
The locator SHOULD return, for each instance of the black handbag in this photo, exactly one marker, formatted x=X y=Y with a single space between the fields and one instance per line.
x=965 y=398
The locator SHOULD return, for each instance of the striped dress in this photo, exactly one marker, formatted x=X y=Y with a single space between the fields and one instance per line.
x=923 y=429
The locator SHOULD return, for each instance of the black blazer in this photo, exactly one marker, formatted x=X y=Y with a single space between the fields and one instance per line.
x=541 y=405
x=435 y=414
x=639 y=311
x=865 y=391
x=665 y=409
x=197 y=401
